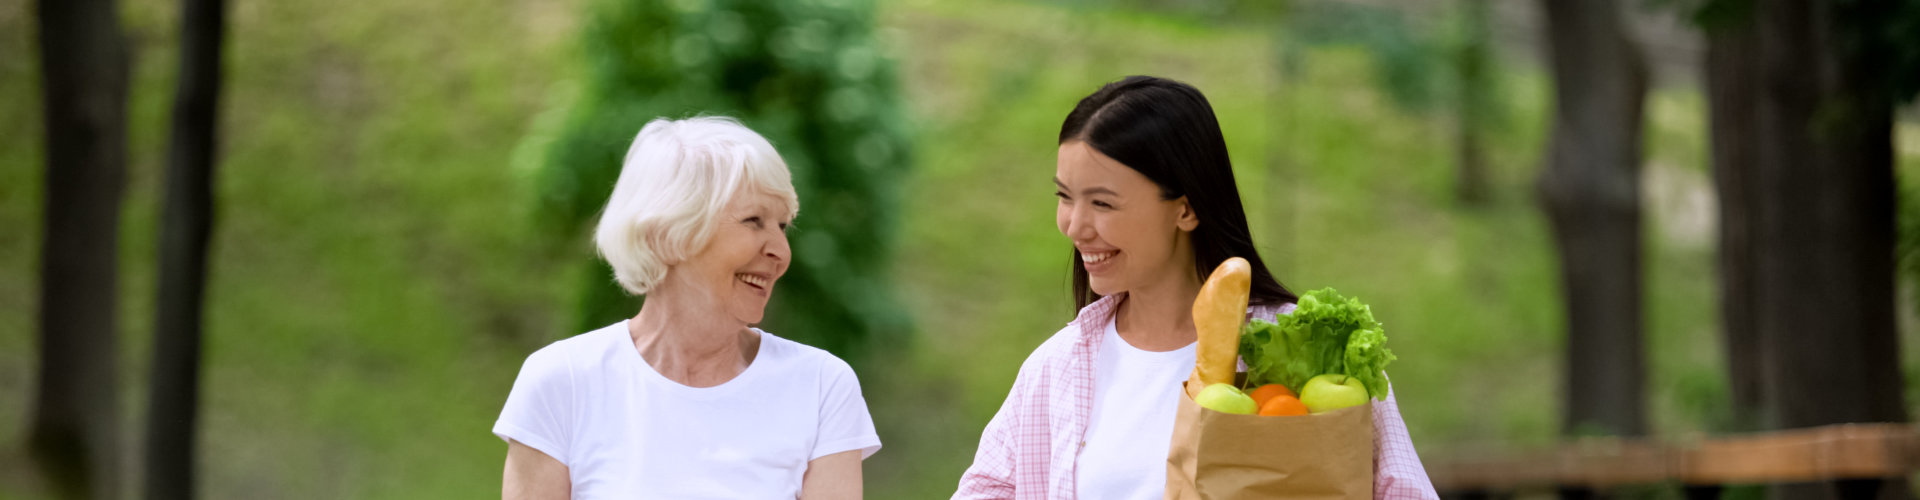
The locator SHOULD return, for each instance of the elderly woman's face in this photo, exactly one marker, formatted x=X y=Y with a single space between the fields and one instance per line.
x=747 y=254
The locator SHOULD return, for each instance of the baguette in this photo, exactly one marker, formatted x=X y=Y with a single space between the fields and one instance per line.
x=1217 y=315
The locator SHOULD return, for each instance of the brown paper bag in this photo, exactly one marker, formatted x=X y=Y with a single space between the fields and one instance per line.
x=1220 y=456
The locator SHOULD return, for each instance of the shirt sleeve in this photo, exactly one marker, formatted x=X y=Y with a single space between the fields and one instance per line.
x=991 y=475
x=540 y=410
x=1397 y=472
x=844 y=421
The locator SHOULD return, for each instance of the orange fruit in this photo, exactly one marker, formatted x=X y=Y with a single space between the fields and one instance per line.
x=1283 y=405
x=1263 y=393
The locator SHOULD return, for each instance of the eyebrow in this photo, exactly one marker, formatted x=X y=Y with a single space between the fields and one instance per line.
x=1091 y=190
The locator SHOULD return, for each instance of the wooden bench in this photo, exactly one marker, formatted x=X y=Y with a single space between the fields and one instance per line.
x=1853 y=456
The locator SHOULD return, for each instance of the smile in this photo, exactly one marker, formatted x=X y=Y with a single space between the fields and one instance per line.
x=1094 y=258
x=1097 y=256
x=756 y=281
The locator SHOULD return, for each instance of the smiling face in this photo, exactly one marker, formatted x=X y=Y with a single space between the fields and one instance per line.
x=1127 y=235
x=747 y=254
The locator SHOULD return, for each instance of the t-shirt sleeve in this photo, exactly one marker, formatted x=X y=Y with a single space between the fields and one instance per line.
x=844 y=421
x=539 y=412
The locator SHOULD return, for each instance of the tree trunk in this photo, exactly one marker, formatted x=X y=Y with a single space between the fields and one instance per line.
x=1824 y=198
x=1472 y=61
x=1591 y=192
x=84 y=78
x=1804 y=155
x=1733 y=73
x=186 y=224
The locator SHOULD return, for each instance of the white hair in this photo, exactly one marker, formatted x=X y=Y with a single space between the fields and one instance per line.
x=677 y=177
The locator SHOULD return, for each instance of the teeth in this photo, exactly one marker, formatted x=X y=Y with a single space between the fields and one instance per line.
x=753 y=280
x=1091 y=258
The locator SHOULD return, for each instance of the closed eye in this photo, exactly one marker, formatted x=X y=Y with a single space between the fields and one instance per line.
x=754 y=221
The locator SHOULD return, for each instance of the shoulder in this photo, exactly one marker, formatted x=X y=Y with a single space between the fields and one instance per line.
x=1087 y=324
x=793 y=357
x=1057 y=349
x=585 y=352
x=1270 y=312
x=1049 y=362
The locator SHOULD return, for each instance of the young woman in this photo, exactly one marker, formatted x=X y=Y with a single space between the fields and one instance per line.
x=1147 y=197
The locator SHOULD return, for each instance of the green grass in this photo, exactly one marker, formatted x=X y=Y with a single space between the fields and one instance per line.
x=377 y=279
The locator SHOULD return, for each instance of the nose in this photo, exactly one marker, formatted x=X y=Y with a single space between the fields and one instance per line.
x=779 y=250
x=1077 y=224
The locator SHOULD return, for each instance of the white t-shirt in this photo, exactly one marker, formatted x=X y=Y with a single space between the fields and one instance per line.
x=1135 y=394
x=625 y=431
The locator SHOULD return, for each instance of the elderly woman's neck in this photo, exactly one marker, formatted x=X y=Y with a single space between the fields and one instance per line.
x=691 y=345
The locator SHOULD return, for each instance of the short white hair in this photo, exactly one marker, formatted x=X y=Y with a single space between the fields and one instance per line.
x=677 y=177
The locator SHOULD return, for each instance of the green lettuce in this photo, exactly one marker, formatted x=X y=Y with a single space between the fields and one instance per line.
x=1327 y=333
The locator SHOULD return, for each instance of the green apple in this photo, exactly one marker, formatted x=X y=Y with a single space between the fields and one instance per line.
x=1226 y=398
x=1332 y=391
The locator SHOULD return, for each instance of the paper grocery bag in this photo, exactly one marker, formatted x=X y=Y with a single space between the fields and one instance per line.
x=1219 y=456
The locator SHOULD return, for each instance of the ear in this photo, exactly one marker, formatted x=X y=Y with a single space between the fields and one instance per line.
x=1186 y=220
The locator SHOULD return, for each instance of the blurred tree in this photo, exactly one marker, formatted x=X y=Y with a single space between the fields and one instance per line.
x=186 y=224
x=1422 y=70
x=1907 y=244
x=1472 y=64
x=1802 y=95
x=1209 y=11
x=808 y=75
x=83 y=59
x=1591 y=191
x=1405 y=56
x=1732 y=75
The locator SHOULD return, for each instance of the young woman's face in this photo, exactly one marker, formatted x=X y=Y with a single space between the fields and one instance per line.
x=747 y=254
x=1127 y=236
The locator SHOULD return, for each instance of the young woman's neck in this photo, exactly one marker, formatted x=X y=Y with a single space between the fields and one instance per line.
x=685 y=336
x=1159 y=316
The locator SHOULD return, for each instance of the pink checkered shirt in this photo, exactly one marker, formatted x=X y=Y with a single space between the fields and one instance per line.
x=1028 y=449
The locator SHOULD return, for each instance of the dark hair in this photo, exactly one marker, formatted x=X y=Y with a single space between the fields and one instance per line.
x=1166 y=131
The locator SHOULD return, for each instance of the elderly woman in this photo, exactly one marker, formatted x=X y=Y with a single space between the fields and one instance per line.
x=687 y=399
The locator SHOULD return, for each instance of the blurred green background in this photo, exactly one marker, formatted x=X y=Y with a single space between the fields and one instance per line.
x=379 y=268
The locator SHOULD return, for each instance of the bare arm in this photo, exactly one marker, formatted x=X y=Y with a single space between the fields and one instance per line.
x=832 y=477
x=532 y=475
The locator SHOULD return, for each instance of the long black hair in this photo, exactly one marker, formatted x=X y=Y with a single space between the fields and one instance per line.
x=1165 y=130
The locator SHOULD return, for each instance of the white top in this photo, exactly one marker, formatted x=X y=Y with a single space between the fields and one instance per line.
x=1135 y=394
x=625 y=431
